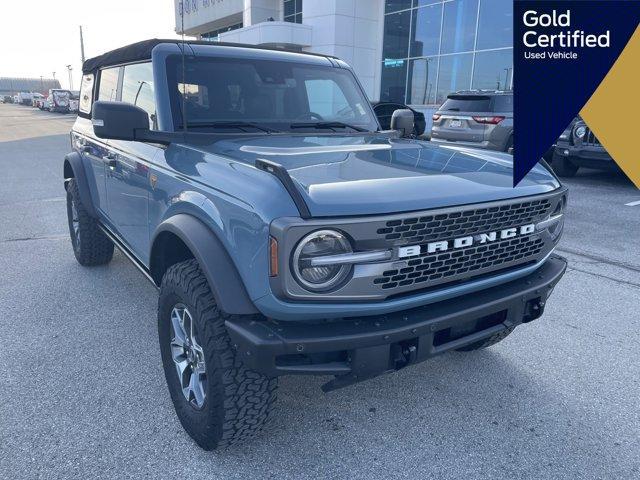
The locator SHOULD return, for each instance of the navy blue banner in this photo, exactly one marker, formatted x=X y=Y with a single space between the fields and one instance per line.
x=562 y=51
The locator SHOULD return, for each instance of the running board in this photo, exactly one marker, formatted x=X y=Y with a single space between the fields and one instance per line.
x=127 y=253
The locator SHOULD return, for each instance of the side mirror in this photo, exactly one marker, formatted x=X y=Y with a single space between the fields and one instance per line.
x=403 y=121
x=119 y=121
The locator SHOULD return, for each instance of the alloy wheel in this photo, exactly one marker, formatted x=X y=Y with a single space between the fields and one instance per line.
x=188 y=356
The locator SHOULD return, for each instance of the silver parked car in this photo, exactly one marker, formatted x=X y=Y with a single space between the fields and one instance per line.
x=477 y=118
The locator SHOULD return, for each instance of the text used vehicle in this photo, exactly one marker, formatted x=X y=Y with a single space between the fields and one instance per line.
x=287 y=233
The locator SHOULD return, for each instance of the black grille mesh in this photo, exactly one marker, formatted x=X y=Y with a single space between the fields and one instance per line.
x=467 y=222
x=449 y=266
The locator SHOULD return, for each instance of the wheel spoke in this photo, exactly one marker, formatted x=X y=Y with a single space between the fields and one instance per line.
x=197 y=389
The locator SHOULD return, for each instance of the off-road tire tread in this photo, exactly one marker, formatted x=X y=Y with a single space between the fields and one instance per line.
x=95 y=247
x=487 y=342
x=246 y=397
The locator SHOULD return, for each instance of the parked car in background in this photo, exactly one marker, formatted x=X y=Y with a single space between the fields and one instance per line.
x=58 y=100
x=15 y=99
x=384 y=112
x=476 y=118
x=36 y=99
x=74 y=101
x=25 y=98
x=579 y=147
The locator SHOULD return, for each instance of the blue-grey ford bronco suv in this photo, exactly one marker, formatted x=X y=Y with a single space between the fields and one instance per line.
x=286 y=233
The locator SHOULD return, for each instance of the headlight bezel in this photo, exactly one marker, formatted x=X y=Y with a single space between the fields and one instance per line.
x=342 y=272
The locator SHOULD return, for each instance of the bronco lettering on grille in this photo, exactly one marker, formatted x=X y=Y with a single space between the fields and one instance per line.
x=445 y=245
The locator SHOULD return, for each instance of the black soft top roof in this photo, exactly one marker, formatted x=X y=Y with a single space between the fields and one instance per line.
x=140 y=51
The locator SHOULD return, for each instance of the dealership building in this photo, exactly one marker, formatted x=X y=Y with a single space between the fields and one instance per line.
x=408 y=51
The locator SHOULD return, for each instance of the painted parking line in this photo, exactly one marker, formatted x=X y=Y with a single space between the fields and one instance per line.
x=633 y=204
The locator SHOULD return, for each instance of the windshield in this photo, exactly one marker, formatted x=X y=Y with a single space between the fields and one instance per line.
x=266 y=95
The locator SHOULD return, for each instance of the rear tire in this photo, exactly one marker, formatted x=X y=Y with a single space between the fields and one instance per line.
x=227 y=403
x=487 y=342
x=90 y=245
x=563 y=166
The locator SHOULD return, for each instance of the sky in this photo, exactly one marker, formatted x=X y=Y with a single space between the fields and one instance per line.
x=40 y=37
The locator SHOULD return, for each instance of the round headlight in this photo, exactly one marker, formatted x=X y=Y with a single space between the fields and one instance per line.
x=580 y=131
x=320 y=244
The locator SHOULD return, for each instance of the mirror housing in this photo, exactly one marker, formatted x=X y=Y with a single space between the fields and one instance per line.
x=119 y=121
x=403 y=121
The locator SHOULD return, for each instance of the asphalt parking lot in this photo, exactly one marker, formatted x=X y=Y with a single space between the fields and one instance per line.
x=82 y=392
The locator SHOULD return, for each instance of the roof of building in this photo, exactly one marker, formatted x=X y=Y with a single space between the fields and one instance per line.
x=15 y=84
x=142 y=51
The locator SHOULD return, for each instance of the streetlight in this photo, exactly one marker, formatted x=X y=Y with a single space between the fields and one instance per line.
x=70 y=77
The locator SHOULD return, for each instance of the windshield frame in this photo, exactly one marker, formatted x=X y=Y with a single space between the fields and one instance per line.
x=173 y=71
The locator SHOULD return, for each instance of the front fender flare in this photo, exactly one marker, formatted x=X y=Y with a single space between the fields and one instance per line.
x=214 y=260
x=73 y=162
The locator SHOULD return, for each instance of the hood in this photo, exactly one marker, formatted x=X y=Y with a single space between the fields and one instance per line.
x=376 y=174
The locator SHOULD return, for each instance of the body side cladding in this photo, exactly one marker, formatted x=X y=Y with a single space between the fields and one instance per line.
x=224 y=280
x=74 y=168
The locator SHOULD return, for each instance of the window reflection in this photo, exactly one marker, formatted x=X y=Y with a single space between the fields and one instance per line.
x=394 y=79
x=434 y=47
x=493 y=70
x=459 y=26
x=422 y=80
x=396 y=35
x=495 y=25
x=455 y=74
x=425 y=30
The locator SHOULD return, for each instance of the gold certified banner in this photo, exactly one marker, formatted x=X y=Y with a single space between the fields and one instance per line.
x=612 y=111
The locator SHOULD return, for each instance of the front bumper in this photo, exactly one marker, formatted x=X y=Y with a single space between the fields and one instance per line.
x=585 y=155
x=355 y=349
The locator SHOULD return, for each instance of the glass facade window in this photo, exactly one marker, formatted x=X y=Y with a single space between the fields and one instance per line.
x=493 y=70
x=434 y=47
x=459 y=26
x=422 y=81
x=394 y=80
x=396 y=35
x=213 y=35
x=425 y=30
x=292 y=11
x=454 y=74
x=495 y=25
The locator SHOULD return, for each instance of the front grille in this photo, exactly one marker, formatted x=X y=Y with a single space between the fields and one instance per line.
x=471 y=261
x=590 y=138
x=466 y=222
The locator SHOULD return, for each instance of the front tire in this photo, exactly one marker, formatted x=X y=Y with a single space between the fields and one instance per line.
x=563 y=166
x=219 y=402
x=90 y=245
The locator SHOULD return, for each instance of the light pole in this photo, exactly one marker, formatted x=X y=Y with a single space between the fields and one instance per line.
x=70 y=77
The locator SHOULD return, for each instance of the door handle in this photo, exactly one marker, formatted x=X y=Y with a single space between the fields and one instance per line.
x=110 y=160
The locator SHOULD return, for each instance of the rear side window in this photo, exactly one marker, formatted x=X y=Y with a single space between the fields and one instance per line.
x=461 y=103
x=137 y=89
x=86 y=94
x=108 y=89
x=503 y=103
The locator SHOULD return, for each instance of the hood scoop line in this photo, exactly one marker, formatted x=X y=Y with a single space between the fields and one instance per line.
x=281 y=174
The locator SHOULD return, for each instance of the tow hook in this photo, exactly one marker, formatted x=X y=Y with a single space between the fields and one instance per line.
x=404 y=353
x=533 y=309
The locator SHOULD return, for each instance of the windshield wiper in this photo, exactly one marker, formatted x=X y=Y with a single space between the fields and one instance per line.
x=331 y=125
x=232 y=124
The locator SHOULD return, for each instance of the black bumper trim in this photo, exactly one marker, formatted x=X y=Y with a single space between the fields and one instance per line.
x=368 y=340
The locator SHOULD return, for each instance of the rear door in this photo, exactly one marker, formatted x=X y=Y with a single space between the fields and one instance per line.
x=456 y=122
x=128 y=165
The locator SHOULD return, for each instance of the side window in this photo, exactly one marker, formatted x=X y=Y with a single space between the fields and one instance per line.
x=137 y=89
x=108 y=89
x=86 y=93
x=327 y=99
